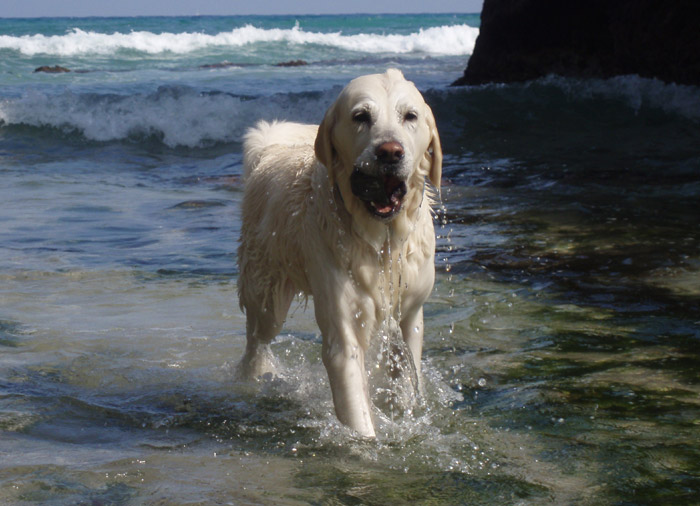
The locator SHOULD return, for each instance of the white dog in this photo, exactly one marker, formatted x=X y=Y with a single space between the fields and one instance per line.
x=340 y=212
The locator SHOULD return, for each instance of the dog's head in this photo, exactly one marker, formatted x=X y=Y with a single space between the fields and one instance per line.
x=379 y=142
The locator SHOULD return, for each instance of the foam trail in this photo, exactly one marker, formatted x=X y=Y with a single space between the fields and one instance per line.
x=441 y=40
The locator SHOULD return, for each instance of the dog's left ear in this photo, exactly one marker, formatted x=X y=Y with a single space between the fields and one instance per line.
x=323 y=147
x=434 y=153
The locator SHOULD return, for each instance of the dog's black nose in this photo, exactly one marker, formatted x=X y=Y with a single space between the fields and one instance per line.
x=389 y=152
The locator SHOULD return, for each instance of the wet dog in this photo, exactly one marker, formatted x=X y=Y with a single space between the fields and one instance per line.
x=328 y=211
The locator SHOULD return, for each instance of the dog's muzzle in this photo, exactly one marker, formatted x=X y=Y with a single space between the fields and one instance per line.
x=382 y=194
x=384 y=191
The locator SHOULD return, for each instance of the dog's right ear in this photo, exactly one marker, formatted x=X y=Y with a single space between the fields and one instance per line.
x=325 y=152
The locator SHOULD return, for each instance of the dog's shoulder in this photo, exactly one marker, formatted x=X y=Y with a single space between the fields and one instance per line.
x=276 y=137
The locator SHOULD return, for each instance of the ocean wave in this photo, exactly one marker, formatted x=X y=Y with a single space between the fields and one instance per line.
x=440 y=40
x=174 y=115
x=637 y=92
x=182 y=116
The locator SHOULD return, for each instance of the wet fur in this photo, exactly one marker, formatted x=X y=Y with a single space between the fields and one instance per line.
x=304 y=231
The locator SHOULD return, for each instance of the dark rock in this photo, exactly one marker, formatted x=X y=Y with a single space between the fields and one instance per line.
x=198 y=204
x=56 y=69
x=292 y=63
x=221 y=65
x=525 y=39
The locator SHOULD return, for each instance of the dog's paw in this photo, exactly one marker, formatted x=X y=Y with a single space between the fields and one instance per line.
x=257 y=365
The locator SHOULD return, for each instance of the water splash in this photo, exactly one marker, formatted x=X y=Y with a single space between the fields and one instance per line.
x=392 y=374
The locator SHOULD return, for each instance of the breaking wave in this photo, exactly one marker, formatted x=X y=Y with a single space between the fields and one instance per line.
x=175 y=115
x=440 y=40
x=184 y=116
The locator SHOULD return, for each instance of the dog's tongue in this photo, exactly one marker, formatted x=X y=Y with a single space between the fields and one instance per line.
x=383 y=209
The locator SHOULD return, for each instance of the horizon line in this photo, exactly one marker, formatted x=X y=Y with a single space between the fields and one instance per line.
x=237 y=15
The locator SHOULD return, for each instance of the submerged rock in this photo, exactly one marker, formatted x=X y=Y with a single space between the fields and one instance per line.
x=198 y=204
x=56 y=69
x=220 y=65
x=292 y=63
x=521 y=40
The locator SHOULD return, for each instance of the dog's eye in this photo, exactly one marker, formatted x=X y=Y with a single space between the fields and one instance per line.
x=362 y=116
x=410 y=116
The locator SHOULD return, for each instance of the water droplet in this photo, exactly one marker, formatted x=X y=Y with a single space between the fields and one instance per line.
x=482 y=382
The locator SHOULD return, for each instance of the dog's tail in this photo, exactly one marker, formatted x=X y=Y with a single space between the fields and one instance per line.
x=265 y=134
x=254 y=143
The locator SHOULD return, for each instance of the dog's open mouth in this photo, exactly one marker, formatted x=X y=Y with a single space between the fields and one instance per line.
x=383 y=195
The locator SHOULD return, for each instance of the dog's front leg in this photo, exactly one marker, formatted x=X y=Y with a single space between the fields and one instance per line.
x=345 y=340
x=412 y=330
x=345 y=364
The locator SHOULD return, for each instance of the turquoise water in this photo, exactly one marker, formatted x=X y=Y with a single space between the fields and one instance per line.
x=561 y=338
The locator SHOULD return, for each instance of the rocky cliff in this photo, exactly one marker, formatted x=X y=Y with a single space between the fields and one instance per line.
x=525 y=39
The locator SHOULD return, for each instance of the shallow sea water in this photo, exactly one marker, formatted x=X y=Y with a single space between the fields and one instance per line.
x=561 y=341
x=560 y=355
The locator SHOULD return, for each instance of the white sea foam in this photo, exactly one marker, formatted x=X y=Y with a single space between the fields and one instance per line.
x=178 y=116
x=441 y=40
